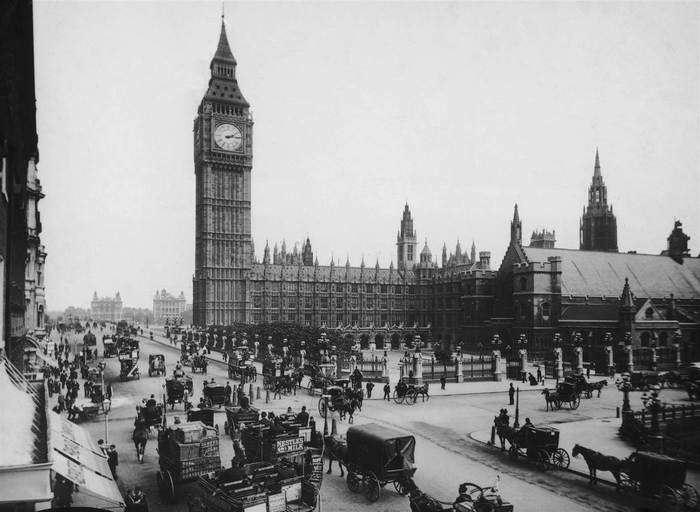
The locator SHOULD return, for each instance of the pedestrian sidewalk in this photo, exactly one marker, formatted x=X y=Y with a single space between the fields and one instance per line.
x=451 y=388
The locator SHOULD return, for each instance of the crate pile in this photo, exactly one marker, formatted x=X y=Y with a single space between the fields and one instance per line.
x=191 y=450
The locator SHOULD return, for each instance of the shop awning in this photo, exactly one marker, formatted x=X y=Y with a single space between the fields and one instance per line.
x=76 y=457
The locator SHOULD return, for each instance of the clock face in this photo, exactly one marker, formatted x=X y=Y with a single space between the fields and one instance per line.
x=228 y=137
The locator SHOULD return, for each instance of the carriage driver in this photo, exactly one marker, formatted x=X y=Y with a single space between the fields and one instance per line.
x=178 y=371
x=151 y=402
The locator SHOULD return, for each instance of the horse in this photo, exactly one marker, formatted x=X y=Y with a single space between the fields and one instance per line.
x=423 y=392
x=337 y=449
x=551 y=399
x=597 y=461
x=347 y=406
x=140 y=438
x=597 y=386
x=505 y=432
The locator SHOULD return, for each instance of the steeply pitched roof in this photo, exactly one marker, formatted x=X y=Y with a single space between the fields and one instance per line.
x=596 y=273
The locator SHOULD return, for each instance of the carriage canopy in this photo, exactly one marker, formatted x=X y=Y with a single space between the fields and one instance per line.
x=380 y=449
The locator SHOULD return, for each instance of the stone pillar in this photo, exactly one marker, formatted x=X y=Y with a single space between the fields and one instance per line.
x=497 y=367
x=677 y=346
x=523 y=362
x=654 y=358
x=269 y=349
x=284 y=351
x=255 y=347
x=558 y=364
x=579 y=359
x=385 y=369
x=334 y=362
x=302 y=353
x=611 y=361
x=417 y=366
x=353 y=363
x=460 y=370
x=372 y=344
x=630 y=358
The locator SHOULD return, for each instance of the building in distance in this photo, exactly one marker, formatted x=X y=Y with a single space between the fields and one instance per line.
x=107 y=309
x=167 y=306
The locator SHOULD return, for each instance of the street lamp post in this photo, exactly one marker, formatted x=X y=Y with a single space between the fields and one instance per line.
x=516 y=423
x=654 y=405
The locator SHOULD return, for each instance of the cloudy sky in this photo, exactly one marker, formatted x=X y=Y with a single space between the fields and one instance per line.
x=460 y=109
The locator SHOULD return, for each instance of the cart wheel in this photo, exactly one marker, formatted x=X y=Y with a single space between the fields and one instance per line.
x=412 y=398
x=690 y=497
x=573 y=404
x=513 y=451
x=588 y=393
x=560 y=458
x=169 y=486
x=558 y=404
x=310 y=388
x=372 y=488
x=353 y=481
x=401 y=487
x=398 y=399
x=543 y=460
x=671 y=498
x=628 y=484
x=322 y=408
x=159 y=481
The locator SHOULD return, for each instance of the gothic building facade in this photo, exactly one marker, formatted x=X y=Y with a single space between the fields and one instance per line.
x=167 y=306
x=231 y=286
x=541 y=290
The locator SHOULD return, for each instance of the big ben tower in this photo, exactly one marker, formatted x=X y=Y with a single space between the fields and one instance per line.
x=223 y=159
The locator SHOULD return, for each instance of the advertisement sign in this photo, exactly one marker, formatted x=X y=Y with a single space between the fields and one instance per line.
x=293 y=444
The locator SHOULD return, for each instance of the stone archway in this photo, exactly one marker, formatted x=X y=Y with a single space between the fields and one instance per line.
x=364 y=341
x=395 y=341
x=379 y=341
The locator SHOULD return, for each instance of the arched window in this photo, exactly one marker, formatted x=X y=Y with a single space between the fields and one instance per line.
x=649 y=313
x=645 y=339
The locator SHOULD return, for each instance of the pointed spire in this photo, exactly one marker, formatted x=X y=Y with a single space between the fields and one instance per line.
x=376 y=265
x=316 y=262
x=596 y=168
x=473 y=252
x=347 y=261
x=362 y=264
x=627 y=299
x=516 y=217
x=391 y=265
x=223 y=50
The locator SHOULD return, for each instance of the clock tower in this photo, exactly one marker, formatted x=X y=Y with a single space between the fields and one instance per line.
x=223 y=159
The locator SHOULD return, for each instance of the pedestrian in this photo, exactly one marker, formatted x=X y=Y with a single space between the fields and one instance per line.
x=63 y=378
x=50 y=386
x=511 y=394
x=61 y=403
x=86 y=389
x=102 y=447
x=539 y=375
x=113 y=460
x=443 y=381
x=108 y=393
x=370 y=387
x=224 y=356
x=278 y=390
x=228 y=391
x=588 y=373
x=387 y=392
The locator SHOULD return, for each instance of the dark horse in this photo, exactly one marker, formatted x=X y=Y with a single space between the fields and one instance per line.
x=347 y=407
x=551 y=399
x=503 y=429
x=336 y=450
x=140 y=438
x=597 y=386
x=597 y=461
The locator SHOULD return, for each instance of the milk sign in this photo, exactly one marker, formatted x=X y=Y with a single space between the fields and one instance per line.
x=293 y=444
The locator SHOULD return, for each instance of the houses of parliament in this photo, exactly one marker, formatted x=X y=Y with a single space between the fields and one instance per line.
x=460 y=300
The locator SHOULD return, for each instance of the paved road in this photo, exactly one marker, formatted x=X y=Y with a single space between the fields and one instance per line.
x=445 y=454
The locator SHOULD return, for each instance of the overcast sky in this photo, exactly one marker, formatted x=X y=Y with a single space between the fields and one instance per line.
x=461 y=109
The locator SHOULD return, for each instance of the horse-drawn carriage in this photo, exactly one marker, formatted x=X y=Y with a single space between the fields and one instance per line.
x=378 y=456
x=175 y=388
x=188 y=351
x=237 y=416
x=472 y=498
x=645 y=379
x=408 y=393
x=215 y=394
x=186 y=452
x=110 y=347
x=566 y=392
x=659 y=476
x=156 y=364
x=151 y=415
x=540 y=444
x=199 y=363
x=322 y=376
x=240 y=367
x=206 y=416
x=129 y=368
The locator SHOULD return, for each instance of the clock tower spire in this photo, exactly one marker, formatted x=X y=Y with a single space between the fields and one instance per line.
x=223 y=160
